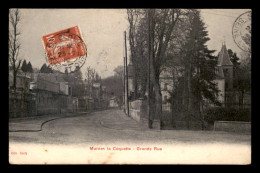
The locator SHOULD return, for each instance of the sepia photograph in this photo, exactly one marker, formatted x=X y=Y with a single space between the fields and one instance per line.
x=130 y=86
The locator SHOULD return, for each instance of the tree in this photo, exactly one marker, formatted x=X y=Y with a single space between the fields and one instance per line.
x=113 y=85
x=119 y=78
x=242 y=79
x=242 y=73
x=119 y=71
x=133 y=17
x=199 y=68
x=14 y=47
x=14 y=44
x=235 y=60
x=150 y=34
x=90 y=75
x=24 y=66
x=76 y=81
x=29 y=67
x=45 y=69
x=233 y=57
x=138 y=47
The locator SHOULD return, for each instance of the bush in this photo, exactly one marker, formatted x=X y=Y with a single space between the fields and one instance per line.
x=227 y=114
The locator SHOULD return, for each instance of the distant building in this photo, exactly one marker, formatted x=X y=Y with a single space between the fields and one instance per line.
x=224 y=77
x=168 y=78
x=166 y=85
x=51 y=95
x=113 y=102
x=96 y=97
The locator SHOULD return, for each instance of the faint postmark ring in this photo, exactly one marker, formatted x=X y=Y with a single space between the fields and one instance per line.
x=241 y=31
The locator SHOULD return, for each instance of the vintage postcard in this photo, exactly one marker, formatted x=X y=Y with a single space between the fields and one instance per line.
x=130 y=86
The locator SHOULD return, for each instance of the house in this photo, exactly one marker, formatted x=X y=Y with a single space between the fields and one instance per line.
x=168 y=80
x=166 y=85
x=224 y=77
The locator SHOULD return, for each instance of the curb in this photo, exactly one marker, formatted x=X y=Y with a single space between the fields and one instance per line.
x=44 y=122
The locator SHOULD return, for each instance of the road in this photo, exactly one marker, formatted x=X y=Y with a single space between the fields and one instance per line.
x=114 y=128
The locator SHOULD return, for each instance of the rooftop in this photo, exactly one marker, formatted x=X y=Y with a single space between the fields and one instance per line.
x=223 y=57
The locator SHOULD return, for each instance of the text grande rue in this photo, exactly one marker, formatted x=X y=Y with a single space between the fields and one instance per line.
x=126 y=148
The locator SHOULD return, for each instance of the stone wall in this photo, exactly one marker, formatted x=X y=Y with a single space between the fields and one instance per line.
x=138 y=111
x=232 y=126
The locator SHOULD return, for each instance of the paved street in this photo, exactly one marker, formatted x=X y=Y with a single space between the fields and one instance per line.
x=114 y=128
x=108 y=126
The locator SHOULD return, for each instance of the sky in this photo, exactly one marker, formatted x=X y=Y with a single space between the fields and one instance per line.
x=103 y=32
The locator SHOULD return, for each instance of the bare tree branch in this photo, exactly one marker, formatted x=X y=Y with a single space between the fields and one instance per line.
x=14 y=45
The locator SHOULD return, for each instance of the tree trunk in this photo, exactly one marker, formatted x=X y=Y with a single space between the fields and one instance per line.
x=190 y=108
x=189 y=88
x=242 y=98
x=153 y=77
x=158 y=101
x=15 y=94
x=201 y=116
x=173 y=115
x=187 y=95
x=135 y=86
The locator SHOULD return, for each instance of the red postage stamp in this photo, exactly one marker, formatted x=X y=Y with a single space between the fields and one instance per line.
x=64 y=46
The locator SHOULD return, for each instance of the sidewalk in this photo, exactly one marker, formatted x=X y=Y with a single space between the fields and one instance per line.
x=118 y=120
x=35 y=123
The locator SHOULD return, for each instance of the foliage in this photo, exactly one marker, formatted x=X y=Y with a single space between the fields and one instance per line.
x=199 y=65
x=24 y=66
x=241 y=73
x=119 y=71
x=27 y=67
x=152 y=33
x=242 y=80
x=91 y=76
x=75 y=80
x=45 y=69
x=114 y=86
x=234 y=58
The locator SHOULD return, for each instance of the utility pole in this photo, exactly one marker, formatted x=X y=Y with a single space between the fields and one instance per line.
x=127 y=102
x=124 y=97
x=149 y=89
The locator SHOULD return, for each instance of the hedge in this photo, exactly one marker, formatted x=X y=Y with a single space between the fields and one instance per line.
x=227 y=114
